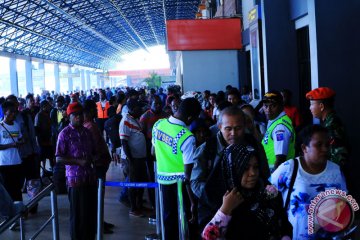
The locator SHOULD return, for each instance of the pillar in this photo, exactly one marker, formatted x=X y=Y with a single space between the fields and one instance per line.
x=70 y=81
x=88 y=85
x=13 y=77
x=28 y=76
x=82 y=78
x=42 y=69
x=57 y=77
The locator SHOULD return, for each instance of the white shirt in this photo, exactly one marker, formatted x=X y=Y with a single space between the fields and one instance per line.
x=9 y=156
x=306 y=187
x=281 y=136
x=124 y=110
x=103 y=103
x=130 y=130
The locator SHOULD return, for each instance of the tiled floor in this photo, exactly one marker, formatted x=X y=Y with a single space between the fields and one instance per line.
x=126 y=227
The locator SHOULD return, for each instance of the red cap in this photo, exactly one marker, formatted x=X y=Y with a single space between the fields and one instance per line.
x=73 y=107
x=320 y=93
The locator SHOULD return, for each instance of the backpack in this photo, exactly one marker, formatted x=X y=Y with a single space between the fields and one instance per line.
x=111 y=127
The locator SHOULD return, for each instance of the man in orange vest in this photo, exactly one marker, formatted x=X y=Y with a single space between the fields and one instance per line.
x=102 y=110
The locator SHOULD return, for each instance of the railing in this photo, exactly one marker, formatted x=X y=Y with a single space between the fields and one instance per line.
x=54 y=217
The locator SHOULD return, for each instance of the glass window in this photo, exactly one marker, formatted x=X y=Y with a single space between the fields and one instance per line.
x=21 y=76
x=76 y=77
x=38 y=77
x=93 y=80
x=64 y=79
x=5 y=89
x=49 y=77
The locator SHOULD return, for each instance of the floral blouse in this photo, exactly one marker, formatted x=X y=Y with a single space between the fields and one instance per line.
x=216 y=228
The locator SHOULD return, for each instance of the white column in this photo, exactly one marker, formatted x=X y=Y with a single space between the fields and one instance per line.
x=57 y=77
x=98 y=84
x=102 y=80
x=70 y=81
x=28 y=76
x=82 y=78
x=88 y=86
x=42 y=68
x=13 y=77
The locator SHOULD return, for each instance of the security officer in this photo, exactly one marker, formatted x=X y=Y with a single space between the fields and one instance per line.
x=174 y=147
x=322 y=107
x=102 y=111
x=279 y=138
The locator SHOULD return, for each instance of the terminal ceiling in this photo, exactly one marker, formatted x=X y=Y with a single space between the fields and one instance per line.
x=92 y=33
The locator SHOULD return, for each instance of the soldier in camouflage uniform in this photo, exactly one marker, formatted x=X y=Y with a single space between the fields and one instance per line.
x=322 y=107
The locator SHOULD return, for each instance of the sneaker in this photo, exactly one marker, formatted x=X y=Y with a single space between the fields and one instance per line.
x=107 y=231
x=126 y=203
x=136 y=213
x=15 y=226
x=108 y=225
x=47 y=173
x=147 y=210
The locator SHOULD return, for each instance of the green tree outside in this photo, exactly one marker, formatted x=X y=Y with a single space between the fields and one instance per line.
x=154 y=81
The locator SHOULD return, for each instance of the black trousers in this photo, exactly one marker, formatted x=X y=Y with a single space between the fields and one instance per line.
x=101 y=124
x=170 y=213
x=136 y=170
x=83 y=212
x=13 y=177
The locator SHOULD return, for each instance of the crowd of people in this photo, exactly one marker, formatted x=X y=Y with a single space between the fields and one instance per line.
x=245 y=171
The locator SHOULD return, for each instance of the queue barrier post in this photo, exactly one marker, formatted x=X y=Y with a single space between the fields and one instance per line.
x=157 y=235
x=183 y=233
x=100 y=212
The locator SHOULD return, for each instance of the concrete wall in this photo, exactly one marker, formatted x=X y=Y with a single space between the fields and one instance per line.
x=338 y=63
x=298 y=8
x=211 y=70
x=280 y=55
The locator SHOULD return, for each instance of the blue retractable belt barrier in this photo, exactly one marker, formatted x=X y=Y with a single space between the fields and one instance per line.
x=132 y=184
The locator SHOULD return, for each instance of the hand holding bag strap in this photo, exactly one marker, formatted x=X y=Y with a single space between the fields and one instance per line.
x=3 y=125
x=292 y=181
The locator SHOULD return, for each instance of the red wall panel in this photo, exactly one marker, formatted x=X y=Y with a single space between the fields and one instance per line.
x=206 y=34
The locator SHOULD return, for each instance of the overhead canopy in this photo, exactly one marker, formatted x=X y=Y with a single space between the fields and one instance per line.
x=91 y=33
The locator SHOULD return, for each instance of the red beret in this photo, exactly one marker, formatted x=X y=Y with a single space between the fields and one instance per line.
x=73 y=107
x=320 y=93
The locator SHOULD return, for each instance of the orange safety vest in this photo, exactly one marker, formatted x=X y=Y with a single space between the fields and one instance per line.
x=102 y=112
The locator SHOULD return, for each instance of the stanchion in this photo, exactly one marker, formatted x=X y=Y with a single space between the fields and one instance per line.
x=181 y=212
x=54 y=212
x=157 y=235
x=22 y=228
x=100 y=212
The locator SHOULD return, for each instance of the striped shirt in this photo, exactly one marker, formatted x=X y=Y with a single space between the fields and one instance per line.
x=130 y=129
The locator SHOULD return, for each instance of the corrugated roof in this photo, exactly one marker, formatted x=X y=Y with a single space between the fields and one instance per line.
x=92 y=33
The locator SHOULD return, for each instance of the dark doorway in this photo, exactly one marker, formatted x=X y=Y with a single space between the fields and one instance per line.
x=248 y=69
x=304 y=78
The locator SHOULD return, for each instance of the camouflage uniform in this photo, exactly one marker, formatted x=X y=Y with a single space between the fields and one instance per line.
x=338 y=141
